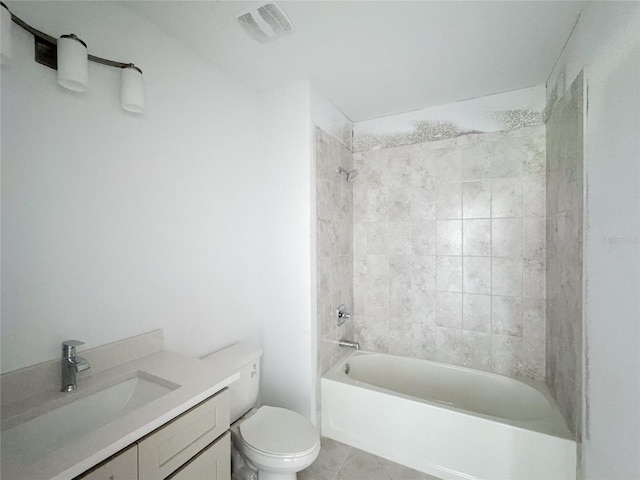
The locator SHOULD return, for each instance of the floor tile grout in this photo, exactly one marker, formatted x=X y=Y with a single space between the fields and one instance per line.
x=340 y=461
x=335 y=477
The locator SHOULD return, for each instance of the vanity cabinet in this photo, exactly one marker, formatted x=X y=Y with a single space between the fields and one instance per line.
x=165 y=450
x=123 y=466
x=213 y=463
x=193 y=446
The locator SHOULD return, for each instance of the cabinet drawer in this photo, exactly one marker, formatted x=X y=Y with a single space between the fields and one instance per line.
x=214 y=463
x=168 y=448
x=123 y=466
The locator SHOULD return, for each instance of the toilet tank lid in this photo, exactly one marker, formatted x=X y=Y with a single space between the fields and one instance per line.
x=235 y=355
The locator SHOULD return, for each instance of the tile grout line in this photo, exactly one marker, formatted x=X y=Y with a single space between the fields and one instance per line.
x=343 y=462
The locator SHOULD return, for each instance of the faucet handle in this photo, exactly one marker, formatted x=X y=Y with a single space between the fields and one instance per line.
x=69 y=347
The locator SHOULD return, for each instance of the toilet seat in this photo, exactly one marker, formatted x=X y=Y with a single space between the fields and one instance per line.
x=278 y=432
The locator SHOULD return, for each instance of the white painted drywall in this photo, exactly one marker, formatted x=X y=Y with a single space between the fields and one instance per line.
x=115 y=224
x=287 y=329
x=328 y=117
x=606 y=43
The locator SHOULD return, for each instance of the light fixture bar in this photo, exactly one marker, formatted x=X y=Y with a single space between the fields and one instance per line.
x=105 y=61
x=69 y=56
x=29 y=28
x=45 y=39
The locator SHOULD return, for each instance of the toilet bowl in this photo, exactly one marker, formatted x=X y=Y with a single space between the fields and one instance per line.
x=275 y=442
x=269 y=443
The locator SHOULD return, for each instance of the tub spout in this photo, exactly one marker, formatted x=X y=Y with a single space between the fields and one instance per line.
x=349 y=344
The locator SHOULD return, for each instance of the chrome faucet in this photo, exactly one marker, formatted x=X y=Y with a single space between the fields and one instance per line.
x=71 y=364
x=349 y=343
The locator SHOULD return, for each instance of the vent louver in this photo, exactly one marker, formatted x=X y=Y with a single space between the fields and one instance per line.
x=265 y=22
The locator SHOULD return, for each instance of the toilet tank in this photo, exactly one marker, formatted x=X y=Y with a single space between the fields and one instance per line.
x=243 y=357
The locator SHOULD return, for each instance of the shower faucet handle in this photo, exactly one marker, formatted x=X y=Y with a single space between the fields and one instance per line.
x=342 y=314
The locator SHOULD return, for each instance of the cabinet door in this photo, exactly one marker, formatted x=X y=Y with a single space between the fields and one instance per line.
x=214 y=463
x=123 y=466
x=164 y=451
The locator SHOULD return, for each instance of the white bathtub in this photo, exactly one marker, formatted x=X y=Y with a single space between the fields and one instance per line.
x=451 y=422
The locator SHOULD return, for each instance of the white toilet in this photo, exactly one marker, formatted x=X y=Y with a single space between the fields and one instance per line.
x=269 y=443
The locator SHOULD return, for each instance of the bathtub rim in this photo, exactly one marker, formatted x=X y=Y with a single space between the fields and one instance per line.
x=555 y=426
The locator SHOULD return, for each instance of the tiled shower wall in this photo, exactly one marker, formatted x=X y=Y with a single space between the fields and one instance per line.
x=334 y=208
x=564 y=253
x=449 y=251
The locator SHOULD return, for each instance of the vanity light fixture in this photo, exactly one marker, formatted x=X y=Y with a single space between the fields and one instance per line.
x=5 y=35
x=132 y=89
x=73 y=63
x=69 y=56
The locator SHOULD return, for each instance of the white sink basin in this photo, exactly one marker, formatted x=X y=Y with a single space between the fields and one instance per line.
x=83 y=415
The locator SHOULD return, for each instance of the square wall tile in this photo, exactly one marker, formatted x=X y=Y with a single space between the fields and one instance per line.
x=534 y=196
x=424 y=306
x=328 y=196
x=399 y=238
x=536 y=146
x=398 y=172
x=377 y=271
x=376 y=208
x=507 y=158
x=422 y=201
x=535 y=240
x=423 y=238
x=506 y=276
x=534 y=278
x=399 y=204
x=423 y=168
x=476 y=237
x=449 y=309
x=423 y=273
x=476 y=160
x=449 y=345
x=506 y=197
x=449 y=201
x=533 y=358
x=377 y=238
x=476 y=199
x=400 y=303
x=506 y=315
x=376 y=301
x=506 y=354
x=449 y=237
x=534 y=322
x=506 y=237
x=476 y=275
x=476 y=350
x=476 y=312
x=400 y=272
x=449 y=274
x=448 y=165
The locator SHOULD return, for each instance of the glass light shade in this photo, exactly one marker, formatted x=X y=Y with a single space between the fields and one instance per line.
x=132 y=89
x=73 y=63
x=6 y=46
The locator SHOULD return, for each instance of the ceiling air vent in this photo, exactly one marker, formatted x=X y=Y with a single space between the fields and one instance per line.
x=265 y=22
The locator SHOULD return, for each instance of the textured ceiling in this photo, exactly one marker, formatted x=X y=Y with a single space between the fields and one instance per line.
x=376 y=58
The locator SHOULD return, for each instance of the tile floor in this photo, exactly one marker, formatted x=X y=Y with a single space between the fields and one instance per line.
x=338 y=461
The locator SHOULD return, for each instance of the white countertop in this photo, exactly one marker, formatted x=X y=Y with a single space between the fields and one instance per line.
x=198 y=380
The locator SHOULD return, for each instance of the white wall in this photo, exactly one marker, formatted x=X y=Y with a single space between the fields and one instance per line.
x=606 y=43
x=288 y=329
x=115 y=224
x=329 y=118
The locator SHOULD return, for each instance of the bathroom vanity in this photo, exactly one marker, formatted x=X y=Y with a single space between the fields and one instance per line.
x=194 y=445
x=139 y=413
